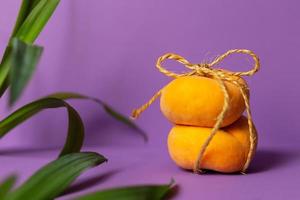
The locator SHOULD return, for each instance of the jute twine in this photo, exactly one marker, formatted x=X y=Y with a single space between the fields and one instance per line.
x=207 y=70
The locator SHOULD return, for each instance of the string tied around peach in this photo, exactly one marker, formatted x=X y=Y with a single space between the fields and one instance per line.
x=220 y=75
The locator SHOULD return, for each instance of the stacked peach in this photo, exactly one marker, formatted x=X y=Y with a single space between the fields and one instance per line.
x=192 y=104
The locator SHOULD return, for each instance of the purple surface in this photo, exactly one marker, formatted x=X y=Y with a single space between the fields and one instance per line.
x=108 y=49
x=273 y=174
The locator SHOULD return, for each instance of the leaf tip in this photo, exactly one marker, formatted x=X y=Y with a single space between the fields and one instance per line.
x=172 y=183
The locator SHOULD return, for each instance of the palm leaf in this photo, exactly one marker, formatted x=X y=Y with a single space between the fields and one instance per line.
x=6 y=186
x=107 y=108
x=36 y=20
x=32 y=18
x=75 y=135
x=52 y=179
x=25 y=9
x=24 y=59
x=146 y=192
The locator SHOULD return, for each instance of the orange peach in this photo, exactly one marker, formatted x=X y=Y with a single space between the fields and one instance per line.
x=197 y=101
x=226 y=153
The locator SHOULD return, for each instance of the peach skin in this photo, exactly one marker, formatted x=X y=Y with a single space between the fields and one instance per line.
x=226 y=153
x=197 y=101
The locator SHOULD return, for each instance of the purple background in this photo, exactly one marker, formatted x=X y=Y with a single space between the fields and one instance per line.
x=108 y=49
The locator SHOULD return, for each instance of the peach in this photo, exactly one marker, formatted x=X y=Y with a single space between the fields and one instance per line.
x=197 y=101
x=227 y=152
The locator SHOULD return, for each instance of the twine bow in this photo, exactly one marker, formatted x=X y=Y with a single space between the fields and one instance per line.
x=206 y=69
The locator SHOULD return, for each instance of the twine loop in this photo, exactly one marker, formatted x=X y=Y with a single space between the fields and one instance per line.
x=220 y=75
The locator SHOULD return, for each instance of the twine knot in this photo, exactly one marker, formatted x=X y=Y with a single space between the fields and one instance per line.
x=200 y=66
x=220 y=75
x=200 y=69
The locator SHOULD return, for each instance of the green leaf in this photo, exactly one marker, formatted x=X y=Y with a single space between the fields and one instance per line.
x=108 y=109
x=25 y=9
x=75 y=136
x=144 y=192
x=24 y=60
x=4 y=86
x=36 y=20
x=33 y=16
x=7 y=185
x=4 y=68
x=52 y=179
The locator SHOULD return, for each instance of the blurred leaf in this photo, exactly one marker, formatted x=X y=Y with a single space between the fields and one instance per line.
x=33 y=16
x=75 y=136
x=108 y=109
x=25 y=9
x=4 y=86
x=125 y=120
x=36 y=20
x=52 y=179
x=24 y=60
x=4 y=68
x=146 y=192
x=6 y=186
